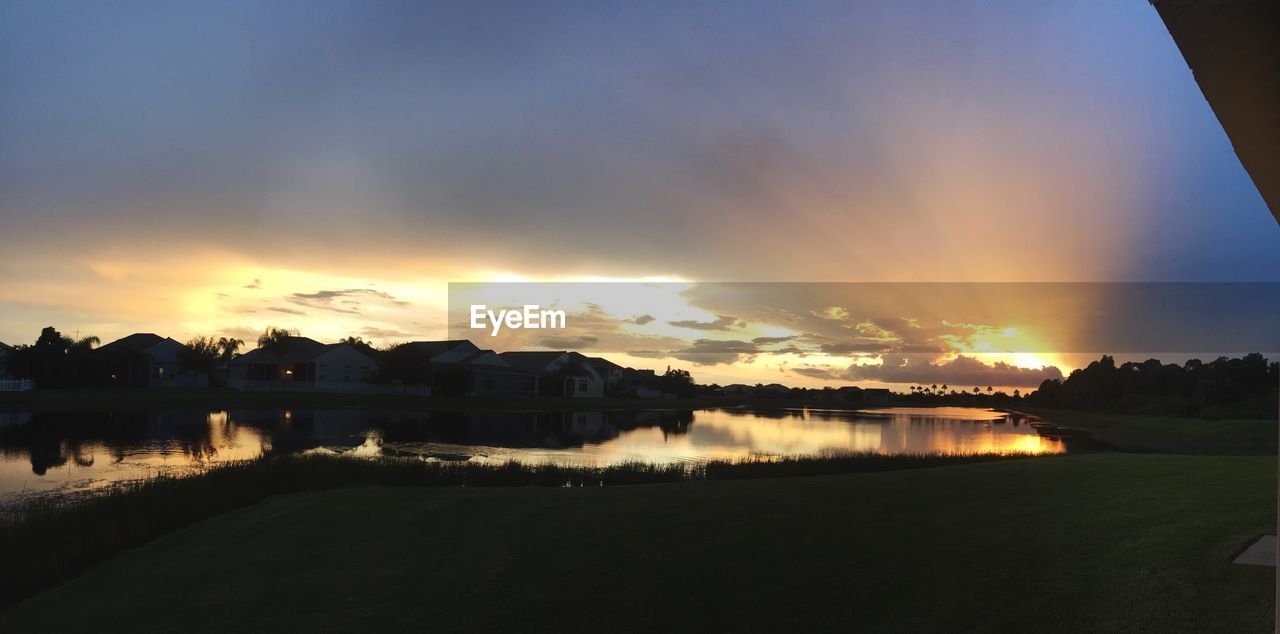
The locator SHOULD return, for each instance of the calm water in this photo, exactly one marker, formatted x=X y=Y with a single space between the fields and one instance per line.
x=70 y=452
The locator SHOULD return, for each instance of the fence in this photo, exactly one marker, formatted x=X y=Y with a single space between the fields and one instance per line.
x=340 y=388
x=16 y=386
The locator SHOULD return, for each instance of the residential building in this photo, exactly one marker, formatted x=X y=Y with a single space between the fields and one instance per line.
x=302 y=362
x=567 y=374
x=145 y=359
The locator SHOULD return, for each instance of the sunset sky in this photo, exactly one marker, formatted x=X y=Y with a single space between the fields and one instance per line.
x=331 y=167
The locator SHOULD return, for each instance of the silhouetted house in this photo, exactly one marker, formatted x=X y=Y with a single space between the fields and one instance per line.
x=849 y=394
x=461 y=372
x=455 y=367
x=737 y=389
x=559 y=373
x=410 y=363
x=4 y=360
x=875 y=395
x=611 y=372
x=857 y=395
x=642 y=384
x=300 y=362
x=145 y=359
x=772 y=390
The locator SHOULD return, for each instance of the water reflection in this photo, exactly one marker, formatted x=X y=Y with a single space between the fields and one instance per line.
x=76 y=451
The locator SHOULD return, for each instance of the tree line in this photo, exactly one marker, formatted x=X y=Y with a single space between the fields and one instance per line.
x=1246 y=387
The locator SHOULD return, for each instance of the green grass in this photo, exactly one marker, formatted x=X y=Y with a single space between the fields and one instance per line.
x=50 y=539
x=1100 y=542
x=1169 y=434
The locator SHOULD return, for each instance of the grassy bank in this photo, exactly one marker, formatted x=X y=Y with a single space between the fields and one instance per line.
x=1102 y=542
x=51 y=539
x=1168 y=434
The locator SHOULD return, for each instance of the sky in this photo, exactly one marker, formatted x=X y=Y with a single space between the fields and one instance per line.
x=185 y=168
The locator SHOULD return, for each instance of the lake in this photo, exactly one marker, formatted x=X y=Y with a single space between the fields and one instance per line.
x=51 y=453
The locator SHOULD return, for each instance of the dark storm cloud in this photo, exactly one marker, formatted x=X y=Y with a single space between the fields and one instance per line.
x=343 y=300
x=761 y=140
x=569 y=343
x=722 y=322
x=714 y=352
x=962 y=370
x=324 y=122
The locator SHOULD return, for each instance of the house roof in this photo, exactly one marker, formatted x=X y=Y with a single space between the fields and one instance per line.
x=5 y=346
x=536 y=361
x=289 y=350
x=601 y=363
x=1233 y=49
x=433 y=348
x=481 y=360
x=137 y=342
x=293 y=350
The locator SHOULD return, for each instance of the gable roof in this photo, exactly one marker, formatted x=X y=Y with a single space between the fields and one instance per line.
x=536 y=361
x=289 y=350
x=479 y=360
x=137 y=342
x=434 y=348
x=601 y=363
x=5 y=346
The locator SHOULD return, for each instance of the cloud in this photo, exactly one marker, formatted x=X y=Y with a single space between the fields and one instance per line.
x=256 y=284
x=850 y=347
x=715 y=352
x=817 y=373
x=385 y=333
x=641 y=320
x=287 y=311
x=342 y=300
x=722 y=322
x=901 y=368
x=765 y=341
x=569 y=343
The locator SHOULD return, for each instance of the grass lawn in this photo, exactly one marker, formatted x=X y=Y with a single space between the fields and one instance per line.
x=1168 y=433
x=1096 y=542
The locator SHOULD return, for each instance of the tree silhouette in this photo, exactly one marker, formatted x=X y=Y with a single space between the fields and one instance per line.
x=200 y=354
x=273 y=338
x=227 y=347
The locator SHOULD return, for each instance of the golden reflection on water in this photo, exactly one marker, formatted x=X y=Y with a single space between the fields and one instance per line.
x=78 y=454
x=733 y=435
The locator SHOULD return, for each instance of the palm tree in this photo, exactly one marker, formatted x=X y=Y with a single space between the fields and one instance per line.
x=273 y=337
x=77 y=353
x=227 y=347
x=988 y=389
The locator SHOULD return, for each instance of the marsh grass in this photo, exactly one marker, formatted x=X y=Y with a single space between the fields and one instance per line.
x=45 y=541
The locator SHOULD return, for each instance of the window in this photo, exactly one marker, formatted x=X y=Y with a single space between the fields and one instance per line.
x=582 y=385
